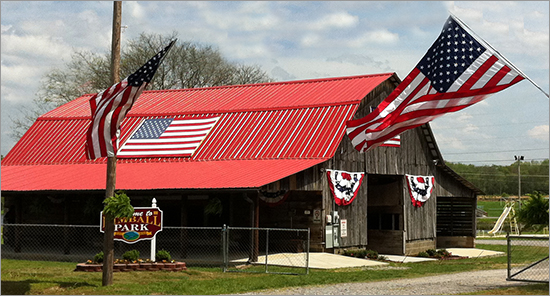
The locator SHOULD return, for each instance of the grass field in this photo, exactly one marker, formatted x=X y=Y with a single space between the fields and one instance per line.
x=493 y=208
x=40 y=277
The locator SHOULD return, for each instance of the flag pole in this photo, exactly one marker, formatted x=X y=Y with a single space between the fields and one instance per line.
x=108 y=239
x=497 y=53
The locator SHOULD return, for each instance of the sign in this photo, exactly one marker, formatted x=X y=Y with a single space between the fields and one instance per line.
x=343 y=227
x=317 y=216
x=143 y=225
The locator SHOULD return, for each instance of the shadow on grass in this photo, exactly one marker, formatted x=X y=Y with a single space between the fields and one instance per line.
x=24 y=287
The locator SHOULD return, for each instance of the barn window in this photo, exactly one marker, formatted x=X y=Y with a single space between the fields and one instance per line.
x=383 y=221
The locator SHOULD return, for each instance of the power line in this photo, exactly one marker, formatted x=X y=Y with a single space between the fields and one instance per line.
x=496 y=175
x=435 y=128
x=477 y=152
x=495 y=160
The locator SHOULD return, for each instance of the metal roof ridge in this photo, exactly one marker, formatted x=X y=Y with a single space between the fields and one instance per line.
x=313 y=80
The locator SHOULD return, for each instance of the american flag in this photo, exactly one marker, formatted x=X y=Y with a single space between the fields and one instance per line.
x=167 y=137
x=110 y=106
x=457 y=71
x=393 y=142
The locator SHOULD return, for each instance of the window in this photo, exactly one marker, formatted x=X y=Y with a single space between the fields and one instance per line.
x=383 y=221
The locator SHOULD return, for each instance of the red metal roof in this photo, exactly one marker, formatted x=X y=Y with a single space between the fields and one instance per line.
x=284 y=126
x=153 y=175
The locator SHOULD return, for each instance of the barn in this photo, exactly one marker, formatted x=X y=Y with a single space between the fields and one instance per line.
x=262 y=162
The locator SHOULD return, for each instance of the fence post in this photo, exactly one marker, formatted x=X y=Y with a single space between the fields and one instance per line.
x=509 y=248
x=307 y=252
x=154 y=240
x=225 y=248
x=266 y=248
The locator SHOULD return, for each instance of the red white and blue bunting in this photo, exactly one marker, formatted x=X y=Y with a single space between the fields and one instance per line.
x=420 y=188
x=273 y=199
x=344 y=185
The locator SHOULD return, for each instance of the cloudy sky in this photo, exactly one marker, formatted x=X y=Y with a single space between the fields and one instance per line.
x=303 y=40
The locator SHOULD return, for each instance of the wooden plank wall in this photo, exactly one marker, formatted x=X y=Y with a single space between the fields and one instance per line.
x=413 y=157
x=456 y=216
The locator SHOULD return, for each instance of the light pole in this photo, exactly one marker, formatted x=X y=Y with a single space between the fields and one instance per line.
x=519 y=159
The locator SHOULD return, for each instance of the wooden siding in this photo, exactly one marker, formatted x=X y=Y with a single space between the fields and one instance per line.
x=456 y=216
x=414 y=157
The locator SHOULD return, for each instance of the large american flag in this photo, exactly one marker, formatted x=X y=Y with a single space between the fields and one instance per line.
x=110 y=106
x=167 y=137
x=393 y=142
x=457 y=71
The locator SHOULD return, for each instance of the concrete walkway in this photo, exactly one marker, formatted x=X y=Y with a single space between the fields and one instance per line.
x=462 y=252
x=330 y=261
x=316 y=260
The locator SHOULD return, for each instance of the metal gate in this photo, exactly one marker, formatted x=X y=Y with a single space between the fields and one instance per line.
x=267 y=250
x=534 y=250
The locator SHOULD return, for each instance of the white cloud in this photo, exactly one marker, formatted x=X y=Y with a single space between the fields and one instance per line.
x=381 y=36
x=539 y=132
x=135 y=8
x=335 y=20
x=34 y=47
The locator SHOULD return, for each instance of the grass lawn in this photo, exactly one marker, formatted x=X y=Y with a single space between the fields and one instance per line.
x=40 y=277
x=493 y=208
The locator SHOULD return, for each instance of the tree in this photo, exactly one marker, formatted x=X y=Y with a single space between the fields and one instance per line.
x=534 y=212
x=189 y=65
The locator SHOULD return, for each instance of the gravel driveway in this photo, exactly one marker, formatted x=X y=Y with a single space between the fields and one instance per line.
x=448 y=284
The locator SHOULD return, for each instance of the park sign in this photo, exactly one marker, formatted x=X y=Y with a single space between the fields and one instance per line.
x=143 y=225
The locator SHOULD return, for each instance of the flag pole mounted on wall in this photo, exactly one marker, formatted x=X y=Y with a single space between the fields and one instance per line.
x=108 y=110
x=457 y=71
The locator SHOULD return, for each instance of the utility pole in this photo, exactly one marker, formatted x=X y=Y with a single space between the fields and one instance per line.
x=519 y=158
x=108 y=239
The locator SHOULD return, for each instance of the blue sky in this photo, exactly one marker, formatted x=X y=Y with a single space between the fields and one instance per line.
x=303 y=40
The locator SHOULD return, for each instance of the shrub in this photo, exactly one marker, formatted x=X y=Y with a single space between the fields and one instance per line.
x=431 y=252
x=423 y=254
x=131 y=256
x=361 y=253
x=98 y=257
x=371 y=254
x=163 y=255
x=443 y=253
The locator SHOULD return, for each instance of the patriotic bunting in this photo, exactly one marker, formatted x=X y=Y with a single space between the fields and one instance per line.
x=344 y=185
x=273 y=199
x=420 y=188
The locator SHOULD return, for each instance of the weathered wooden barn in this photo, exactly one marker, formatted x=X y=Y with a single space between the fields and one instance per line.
x=271 y=140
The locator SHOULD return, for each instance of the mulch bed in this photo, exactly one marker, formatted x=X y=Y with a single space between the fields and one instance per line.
x=118 y=267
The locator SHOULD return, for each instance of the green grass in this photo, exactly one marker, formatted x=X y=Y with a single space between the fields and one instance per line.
x=40 y=277
x=493 y=208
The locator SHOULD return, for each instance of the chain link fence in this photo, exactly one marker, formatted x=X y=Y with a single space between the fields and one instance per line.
x=274 y=250
x=532 y=249
x=228 y=248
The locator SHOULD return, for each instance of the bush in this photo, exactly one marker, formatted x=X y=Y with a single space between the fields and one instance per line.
x=98 y=257
x=361 y=253
x=423 y=254
x=431 y=252
x=443 y=253
x=371 y=254
x=163 y=255
x=131 y=256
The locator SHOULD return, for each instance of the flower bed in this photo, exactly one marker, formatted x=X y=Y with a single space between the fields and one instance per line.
x=141 y=266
